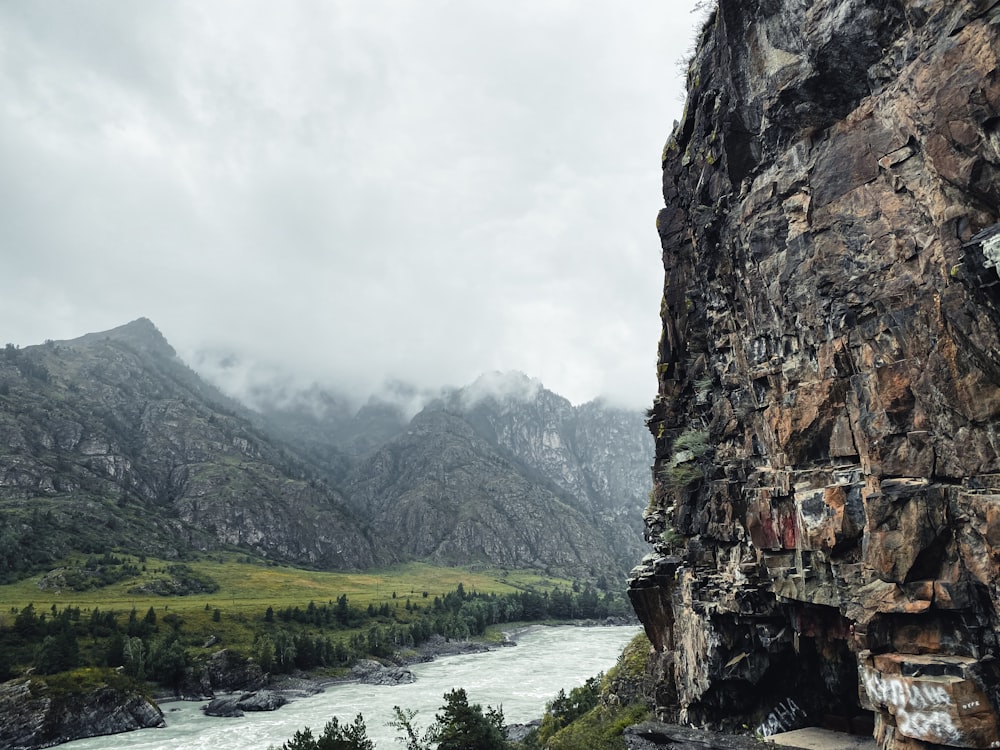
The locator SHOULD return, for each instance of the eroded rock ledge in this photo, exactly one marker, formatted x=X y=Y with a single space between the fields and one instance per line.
x=826 y=514
x=34 y=714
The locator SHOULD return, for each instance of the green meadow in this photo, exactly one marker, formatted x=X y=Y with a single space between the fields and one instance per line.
x=234 y=614
x=248 y=588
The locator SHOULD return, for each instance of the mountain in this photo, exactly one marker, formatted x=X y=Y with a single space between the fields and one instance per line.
x=111 y=442
x=596 y=453
x=516 y=476
x=825 y=522
x=325 y=426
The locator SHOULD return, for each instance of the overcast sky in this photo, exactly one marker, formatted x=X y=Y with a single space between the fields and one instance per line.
x=345 y=191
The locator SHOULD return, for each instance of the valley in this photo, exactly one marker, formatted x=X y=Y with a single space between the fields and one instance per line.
x=73 y=636
x=158 y=535
x=246 y=589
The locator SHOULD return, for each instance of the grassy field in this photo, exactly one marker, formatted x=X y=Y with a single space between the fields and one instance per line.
x=89 y=611
x=247 y=589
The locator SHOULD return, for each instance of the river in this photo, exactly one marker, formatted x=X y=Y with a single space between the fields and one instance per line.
x=521 y=679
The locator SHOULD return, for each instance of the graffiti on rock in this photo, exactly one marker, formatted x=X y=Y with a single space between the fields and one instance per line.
x=786 y=716
x=923 y=710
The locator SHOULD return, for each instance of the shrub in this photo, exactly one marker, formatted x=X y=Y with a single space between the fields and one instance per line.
x=684 y=468
x=601 y=728
x=595 y=715
x=693 y=440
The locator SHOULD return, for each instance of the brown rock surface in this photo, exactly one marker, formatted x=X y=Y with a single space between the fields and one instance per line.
x=826 y=509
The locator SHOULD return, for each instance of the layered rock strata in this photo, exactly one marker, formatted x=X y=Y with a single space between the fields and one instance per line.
x=826 y=513
x=35 y=715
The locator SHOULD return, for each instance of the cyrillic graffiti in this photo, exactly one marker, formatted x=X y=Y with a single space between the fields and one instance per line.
x=785 y=716
x=923 y=711
x=895 y=691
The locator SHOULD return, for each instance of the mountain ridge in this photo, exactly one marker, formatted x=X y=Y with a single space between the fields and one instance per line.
x=112 y=427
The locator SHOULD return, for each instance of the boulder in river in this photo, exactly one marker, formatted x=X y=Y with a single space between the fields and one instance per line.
x=234 y=705
x=373 y=673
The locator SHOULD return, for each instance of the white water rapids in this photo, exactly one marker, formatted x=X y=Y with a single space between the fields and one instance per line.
x=521 y=679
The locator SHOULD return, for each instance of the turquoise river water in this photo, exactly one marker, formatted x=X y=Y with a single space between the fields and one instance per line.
x=521 y=679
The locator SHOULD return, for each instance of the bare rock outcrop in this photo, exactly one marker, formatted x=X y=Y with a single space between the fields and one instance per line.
x=234 y=706
x=826 y=513
x=372 y=672
x=225 y=671
x=34 y=714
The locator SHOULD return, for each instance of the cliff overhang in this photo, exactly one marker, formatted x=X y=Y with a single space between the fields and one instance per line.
x=825 y=522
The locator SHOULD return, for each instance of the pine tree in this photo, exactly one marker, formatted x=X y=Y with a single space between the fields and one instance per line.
x=336 y=736
x=461 y=726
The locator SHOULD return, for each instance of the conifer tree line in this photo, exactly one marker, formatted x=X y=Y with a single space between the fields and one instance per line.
x=158 y=648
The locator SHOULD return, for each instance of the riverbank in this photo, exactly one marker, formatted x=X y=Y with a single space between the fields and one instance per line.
x=521 y=680
x=300 y=685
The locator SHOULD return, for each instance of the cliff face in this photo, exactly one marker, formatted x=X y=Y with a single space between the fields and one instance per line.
x=595 y=453
x=826 y=513
x=33 y=714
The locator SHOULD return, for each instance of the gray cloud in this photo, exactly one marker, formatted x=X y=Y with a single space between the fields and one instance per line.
x=348 y=192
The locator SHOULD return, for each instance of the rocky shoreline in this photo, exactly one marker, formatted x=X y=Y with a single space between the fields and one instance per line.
x=35 y=714
x=269 y=692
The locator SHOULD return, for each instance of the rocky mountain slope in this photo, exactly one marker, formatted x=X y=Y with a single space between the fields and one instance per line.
x=594 y=452
x=327 y=428
x=827 y=479
x=481 y=474
x=110 y=442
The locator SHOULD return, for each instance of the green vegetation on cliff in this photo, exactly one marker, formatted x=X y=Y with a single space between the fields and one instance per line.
x=595 y=715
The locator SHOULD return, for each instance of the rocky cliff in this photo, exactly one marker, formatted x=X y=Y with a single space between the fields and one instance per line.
x=36 y=714
x=826 y=515
x=595 y=456
x=595 y=452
